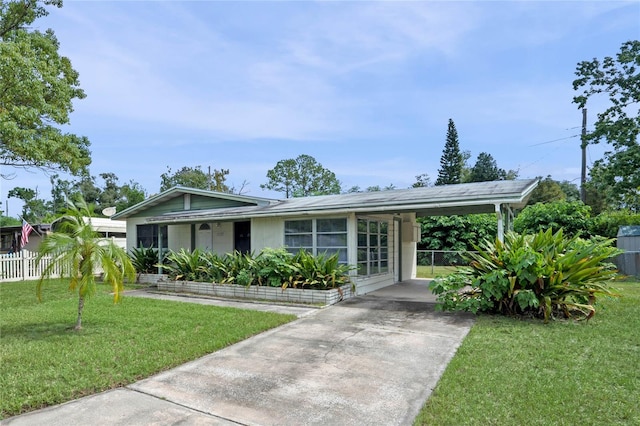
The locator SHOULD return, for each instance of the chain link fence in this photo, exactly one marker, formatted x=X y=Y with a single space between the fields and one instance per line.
x=439 y=262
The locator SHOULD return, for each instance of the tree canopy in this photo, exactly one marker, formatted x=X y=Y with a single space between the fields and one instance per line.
x=617 y=175
x=452 y=160
x=37 y=89
x=301 y=177
x=486 y=169
x=195 y=177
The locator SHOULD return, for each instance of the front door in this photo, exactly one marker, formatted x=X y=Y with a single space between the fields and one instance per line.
x=242 y=236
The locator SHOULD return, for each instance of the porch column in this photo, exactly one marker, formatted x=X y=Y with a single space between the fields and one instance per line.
x=500 y=223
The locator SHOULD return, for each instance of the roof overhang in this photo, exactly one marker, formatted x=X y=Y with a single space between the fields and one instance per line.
x=471 y=198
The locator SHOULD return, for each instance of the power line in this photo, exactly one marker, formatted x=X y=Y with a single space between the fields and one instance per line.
x=555 y=140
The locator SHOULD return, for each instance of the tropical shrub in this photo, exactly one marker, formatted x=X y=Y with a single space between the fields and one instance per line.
x=544 y=275
x=572 y=217
x=272 y=267
x=456 y=233
x=187 y=266
x=606 y=224
x=145 y=260
x=318 y=272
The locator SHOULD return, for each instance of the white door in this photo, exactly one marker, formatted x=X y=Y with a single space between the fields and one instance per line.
x=204 y=237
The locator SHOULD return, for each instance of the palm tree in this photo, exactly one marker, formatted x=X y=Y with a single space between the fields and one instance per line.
x=77 y=251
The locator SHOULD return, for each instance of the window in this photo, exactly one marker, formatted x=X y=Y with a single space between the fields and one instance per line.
x=317 y=236
x=373 y=247
x=147 y=236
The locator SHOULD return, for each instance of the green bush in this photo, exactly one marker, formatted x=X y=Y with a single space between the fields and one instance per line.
x=572 y=217
x=456 y=233
x=318 y=272
x=187 y=266
x=272 y=267
x=145 y=260
x=543 y=275
x=606 y=224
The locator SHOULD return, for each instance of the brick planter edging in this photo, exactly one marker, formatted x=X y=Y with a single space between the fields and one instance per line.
x=290 y=295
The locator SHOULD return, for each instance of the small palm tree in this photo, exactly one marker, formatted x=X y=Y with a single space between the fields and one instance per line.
x=77 y=251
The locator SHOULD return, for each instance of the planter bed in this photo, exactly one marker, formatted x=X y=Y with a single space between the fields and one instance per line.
x=151 y=278
x=289 y=295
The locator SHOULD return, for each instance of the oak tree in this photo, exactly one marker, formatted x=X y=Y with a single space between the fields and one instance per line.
x=37 y=89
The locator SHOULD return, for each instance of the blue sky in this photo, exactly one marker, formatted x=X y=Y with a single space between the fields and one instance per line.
x=367 y=88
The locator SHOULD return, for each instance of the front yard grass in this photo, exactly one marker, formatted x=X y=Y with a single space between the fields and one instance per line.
x=434 y=271
x=44 y=362
x=510 y=372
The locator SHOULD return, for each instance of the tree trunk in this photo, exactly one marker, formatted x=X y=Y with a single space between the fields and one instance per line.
x=80 y=307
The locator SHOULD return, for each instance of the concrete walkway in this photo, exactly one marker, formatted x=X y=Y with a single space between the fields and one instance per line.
x=370 y=360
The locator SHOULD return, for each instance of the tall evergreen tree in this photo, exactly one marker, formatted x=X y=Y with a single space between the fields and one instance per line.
x=486 y=169
x=452 y=161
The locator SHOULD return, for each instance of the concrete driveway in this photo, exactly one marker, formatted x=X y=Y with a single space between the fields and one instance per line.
x=372 y=360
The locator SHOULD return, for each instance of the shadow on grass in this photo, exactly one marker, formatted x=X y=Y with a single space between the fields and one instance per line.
x=43 y=330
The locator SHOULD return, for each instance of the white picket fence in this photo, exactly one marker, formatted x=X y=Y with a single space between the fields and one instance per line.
x=23 y=266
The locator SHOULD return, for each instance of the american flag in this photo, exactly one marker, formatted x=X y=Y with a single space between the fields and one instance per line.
x=26 y=230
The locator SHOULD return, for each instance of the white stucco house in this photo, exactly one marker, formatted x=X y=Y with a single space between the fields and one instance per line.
x=376 y=232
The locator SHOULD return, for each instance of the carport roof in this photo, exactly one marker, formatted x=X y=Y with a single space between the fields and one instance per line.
x=468 y=198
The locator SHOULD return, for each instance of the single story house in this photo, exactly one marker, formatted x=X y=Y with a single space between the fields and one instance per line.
x=10 y=235
x=377 y=232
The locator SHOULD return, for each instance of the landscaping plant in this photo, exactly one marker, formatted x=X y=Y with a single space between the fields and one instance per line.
x=77 y=252
x=271 y=267
x=544 y=275
x=145 y=260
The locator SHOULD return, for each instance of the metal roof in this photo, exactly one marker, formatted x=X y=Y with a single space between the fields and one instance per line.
x=468 y=198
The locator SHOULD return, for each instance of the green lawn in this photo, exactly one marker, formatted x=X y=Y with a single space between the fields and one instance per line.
x=434 y=271
x=44 y=362
x=516 y=372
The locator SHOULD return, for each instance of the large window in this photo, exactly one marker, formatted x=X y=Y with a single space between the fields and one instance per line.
x=317 y=236
x=373 y=247
x=147 y=236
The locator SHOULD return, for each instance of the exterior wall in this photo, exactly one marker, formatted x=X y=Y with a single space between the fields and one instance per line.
x=132 y=234
x=409 y=250
x=266 y=232
x=179 y=236
x=269 y=232
x=222 y=234
x=366 y=285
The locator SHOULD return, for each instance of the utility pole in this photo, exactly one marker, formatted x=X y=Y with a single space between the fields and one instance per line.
x=583 y=145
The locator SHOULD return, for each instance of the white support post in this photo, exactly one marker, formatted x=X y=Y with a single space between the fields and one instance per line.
x=500 y=223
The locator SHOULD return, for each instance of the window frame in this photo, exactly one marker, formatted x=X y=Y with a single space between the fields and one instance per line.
x=155 y=230
x=315 y=248
x=372 y=248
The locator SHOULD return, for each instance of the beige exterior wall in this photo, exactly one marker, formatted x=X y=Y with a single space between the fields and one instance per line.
x=409 y=247
x=131 y=231
x=266 y=232
x=222 y=237
x=269 y=232
x=179 y=236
